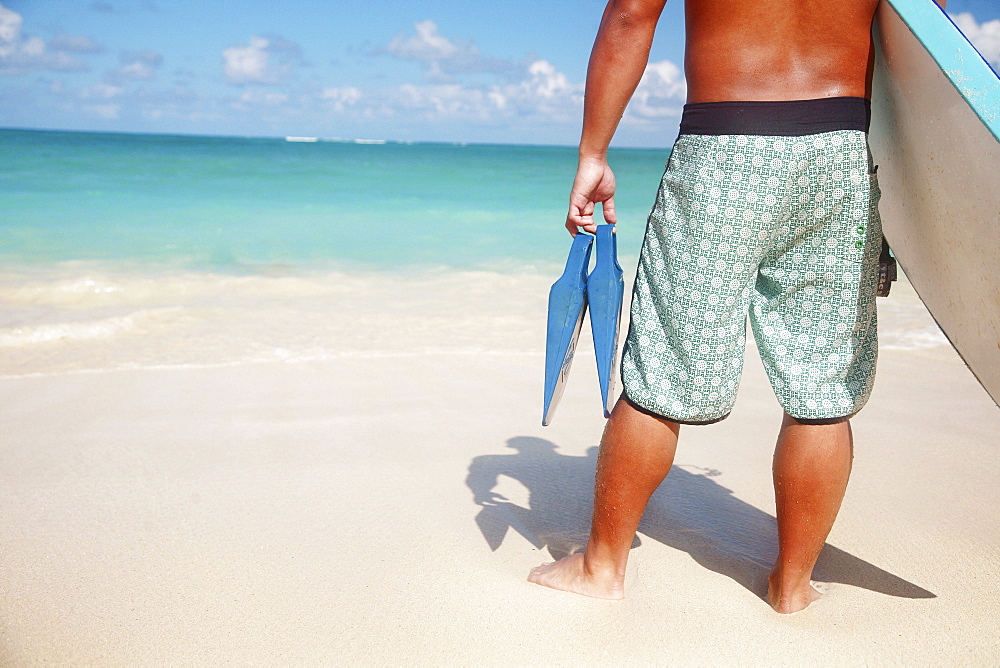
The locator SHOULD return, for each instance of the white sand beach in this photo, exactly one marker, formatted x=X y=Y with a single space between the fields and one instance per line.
x=306 y=510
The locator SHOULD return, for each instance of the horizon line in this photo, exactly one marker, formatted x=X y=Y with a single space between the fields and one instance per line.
x=374 y=141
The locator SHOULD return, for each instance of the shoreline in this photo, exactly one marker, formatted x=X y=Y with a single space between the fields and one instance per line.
x=82 y=318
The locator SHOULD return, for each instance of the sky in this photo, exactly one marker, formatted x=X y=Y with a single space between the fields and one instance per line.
x=503 y=71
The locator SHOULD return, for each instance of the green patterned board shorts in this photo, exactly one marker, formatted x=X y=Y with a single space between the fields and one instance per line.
x=784 y=229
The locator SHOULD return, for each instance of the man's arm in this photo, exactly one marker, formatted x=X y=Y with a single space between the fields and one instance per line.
x=617 y=62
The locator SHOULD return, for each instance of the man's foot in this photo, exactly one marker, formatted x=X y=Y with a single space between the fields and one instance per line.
x=571 y=574
x=787 y=600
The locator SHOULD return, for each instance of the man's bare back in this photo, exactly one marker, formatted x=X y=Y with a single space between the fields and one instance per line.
x=778 y=49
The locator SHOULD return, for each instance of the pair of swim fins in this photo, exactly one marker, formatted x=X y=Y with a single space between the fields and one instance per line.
x=603 y=291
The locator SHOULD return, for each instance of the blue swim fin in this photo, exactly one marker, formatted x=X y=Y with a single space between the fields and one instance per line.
x=567 y=305
x=605 y=292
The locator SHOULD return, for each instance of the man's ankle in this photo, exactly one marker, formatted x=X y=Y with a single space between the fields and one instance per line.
x=599 y=562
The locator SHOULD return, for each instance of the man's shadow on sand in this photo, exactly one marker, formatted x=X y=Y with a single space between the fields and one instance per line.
x=689 y=512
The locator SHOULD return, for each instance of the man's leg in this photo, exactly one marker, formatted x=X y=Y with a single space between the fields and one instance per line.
x=811 y=466
x=636 y=454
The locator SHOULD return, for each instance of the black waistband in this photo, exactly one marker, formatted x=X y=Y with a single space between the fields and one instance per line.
x=784 y=118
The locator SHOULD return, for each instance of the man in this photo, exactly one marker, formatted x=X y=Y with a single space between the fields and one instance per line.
x=768 y=207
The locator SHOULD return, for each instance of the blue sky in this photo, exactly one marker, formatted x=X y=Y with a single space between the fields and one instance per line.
x=502 y=71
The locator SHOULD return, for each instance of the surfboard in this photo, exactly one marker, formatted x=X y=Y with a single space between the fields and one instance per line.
x=935 y=135
x=567 y=306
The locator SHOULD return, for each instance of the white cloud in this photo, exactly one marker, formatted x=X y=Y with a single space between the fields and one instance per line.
x=984 y=36
x=426 y=45
x=264 y=60
x=536 y=89
x=10 y=31
x=138 y=66
x=101 y=91
x=441 y=102
x=545 y=82
x=75 y=44
x=247 y=64
x=137 y=71
x=542 y=93
x=267 y=97
x=22 y=53
x=541 y=96
x=441 y=56
x=341 y=98
x=259 y=97
x=660 y=93
x=543 y=90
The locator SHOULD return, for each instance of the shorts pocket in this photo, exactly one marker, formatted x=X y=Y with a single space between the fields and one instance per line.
x=866 y=230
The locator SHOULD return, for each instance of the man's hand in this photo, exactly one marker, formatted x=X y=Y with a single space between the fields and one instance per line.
x=617 y=62
x=490 y=499
x=594 y=182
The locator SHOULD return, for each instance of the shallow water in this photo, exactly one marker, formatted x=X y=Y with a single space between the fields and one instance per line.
x=135 y=251
x=78 y=317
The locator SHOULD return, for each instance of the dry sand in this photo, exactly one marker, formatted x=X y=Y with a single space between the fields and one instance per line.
x=325 y=512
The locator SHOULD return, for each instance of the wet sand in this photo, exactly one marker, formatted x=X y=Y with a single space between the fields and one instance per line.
x=386 y=509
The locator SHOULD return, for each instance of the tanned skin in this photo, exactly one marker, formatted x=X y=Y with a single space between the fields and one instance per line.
x=736 y=50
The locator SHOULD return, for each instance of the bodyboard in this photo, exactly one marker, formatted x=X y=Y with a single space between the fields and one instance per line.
x=936 y=137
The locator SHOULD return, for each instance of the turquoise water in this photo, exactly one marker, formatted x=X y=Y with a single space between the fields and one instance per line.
x=142 y=252
x=252 y=204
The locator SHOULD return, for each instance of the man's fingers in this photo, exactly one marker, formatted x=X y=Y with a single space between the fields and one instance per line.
x=580 y=217
x=608 y=208
x=594 y=183
x=577 y=221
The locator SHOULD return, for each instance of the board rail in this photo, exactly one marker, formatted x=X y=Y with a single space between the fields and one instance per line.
x=965 y=67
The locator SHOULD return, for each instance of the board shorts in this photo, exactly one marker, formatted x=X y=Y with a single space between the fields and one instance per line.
x=767 y=212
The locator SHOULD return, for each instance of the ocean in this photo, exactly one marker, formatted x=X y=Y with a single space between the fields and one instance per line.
x=136 y=251
x=251 y=205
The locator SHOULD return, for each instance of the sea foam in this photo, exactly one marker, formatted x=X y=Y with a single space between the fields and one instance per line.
x=98 y=318
x=116 y=320
x=78 y=331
